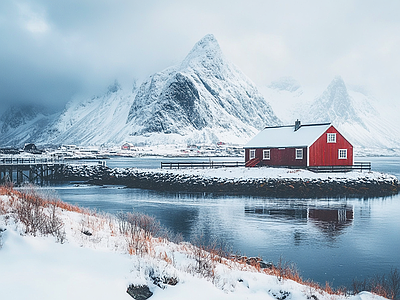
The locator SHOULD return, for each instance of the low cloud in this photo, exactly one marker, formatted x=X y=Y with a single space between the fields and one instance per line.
x=54 y=50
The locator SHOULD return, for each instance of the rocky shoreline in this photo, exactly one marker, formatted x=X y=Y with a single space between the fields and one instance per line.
x=161 y=180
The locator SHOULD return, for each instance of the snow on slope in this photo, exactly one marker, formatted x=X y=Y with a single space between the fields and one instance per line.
x=355 y=113
x=22 y=124
x=97 y=121
x=204 y=99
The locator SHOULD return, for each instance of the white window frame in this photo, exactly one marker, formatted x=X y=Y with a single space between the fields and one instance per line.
x=342 y=154
x=331 y=137
x=297 y=152
x=252 y=153
x=267 y=154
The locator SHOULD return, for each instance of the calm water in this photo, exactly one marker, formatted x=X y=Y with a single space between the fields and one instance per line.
x=332 y=240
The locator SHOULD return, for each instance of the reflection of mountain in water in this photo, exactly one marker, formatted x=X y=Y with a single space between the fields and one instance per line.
x=331 y=220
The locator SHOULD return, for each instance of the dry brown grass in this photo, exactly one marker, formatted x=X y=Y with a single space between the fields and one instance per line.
x=32 y=195
x=38 y=213
x=386 y=285
x=141 y=232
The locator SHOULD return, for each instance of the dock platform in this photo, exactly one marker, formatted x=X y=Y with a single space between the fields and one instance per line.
x=33 y=170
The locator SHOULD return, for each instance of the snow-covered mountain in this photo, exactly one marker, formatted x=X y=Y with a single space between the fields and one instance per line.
x=334 y=105
x=354 y=112
x=24 y=124
x=95 y=121
x=204 y=99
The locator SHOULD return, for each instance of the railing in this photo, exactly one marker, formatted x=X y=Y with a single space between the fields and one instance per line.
x=358 y=166
x=362 y=165
x=29 y=161
x=203 y=165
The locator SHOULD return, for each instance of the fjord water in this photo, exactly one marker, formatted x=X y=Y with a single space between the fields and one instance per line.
x=330 y=240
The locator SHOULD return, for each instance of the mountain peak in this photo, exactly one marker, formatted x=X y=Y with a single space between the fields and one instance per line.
x=335 y=104
x=208 y=41
x=336 y=94
x=205 y=52
x=337 y=82
x=113 y=88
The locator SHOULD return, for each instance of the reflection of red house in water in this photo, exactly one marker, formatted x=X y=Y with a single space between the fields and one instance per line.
x=299 y=146
x=331 y=220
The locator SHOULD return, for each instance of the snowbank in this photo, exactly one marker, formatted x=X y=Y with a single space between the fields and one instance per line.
x=93 y=262
x=264 y=172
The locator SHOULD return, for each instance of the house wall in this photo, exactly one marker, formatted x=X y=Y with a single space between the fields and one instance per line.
x=279 y=156
x=323 y=153
x=331 y=215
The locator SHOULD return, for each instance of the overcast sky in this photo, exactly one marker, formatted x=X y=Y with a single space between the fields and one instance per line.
x=51 y=51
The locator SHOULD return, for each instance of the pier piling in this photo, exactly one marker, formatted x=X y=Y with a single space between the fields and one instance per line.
x=33 y=170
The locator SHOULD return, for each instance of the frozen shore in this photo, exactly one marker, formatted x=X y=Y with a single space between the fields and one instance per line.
x=66 y=252
x=270 y=182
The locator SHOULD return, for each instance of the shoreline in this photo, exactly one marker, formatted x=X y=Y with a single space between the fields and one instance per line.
x=131 y=254
x=268 y=182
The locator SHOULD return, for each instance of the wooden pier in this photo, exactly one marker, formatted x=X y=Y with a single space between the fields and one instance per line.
x=33 y=170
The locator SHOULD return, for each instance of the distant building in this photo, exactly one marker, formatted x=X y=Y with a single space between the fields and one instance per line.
x=70 y=147
x=30 y=147
x=127 y=146
x=299 y=146
x=9 y=150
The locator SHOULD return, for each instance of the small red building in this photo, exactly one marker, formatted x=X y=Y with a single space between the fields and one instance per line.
x=127 y=146
x=299 y=146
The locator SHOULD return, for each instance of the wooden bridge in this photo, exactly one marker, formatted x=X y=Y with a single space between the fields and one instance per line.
x=33 y=170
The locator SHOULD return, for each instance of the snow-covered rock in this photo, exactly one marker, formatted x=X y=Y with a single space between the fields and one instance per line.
x=95 y=121
x=205 y=98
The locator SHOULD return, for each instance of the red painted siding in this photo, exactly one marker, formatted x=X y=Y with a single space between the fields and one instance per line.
x=279 y=156
x=323 y=153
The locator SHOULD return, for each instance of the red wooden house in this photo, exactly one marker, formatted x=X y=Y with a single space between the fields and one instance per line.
x=299 y=145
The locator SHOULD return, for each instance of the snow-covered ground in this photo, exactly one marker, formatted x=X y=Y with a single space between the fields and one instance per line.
x=172 y=150
x=99 y=266
x=165 y=150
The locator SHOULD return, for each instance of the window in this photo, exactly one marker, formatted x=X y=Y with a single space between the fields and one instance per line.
x=252 y=153
x=342 y=153
x=267 y=154
x=331 y=137
x=299 y=153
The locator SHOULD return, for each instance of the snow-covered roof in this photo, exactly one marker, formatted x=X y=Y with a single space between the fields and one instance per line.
x=286 y=136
